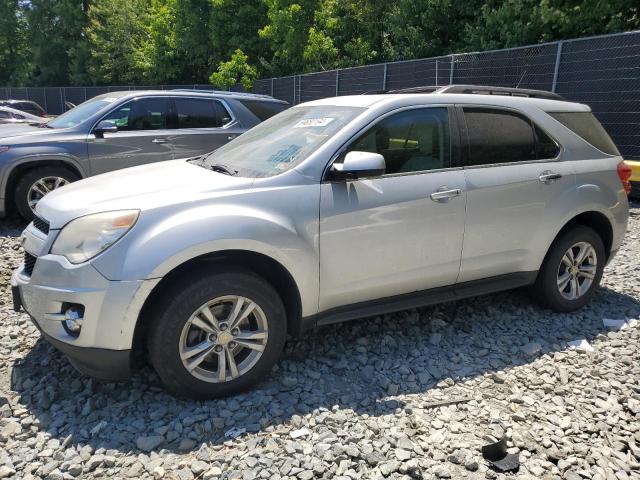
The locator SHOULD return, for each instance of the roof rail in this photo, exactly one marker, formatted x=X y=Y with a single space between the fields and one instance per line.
x=223 y=92
x=482 y=90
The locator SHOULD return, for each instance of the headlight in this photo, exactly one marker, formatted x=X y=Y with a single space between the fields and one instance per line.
x=85 y=237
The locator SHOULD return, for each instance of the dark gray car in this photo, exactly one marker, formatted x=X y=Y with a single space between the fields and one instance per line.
x=118 y=130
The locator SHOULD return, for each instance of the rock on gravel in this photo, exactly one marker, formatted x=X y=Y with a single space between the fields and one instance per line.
x=414 y=394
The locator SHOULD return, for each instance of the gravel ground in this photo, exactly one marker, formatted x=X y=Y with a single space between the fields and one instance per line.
x=363 y=400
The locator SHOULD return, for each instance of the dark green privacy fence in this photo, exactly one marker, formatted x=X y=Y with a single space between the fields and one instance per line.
x=602 y=71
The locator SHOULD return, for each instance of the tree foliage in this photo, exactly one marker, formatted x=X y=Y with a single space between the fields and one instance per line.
x=83 y=42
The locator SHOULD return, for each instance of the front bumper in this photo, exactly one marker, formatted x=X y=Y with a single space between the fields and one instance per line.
x=111 y=309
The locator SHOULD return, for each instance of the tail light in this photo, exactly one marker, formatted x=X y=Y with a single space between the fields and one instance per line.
x=624 y=172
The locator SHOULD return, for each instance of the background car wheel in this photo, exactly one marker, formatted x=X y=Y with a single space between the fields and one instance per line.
x=36 y=183
x=571 y=270
x=217 y=335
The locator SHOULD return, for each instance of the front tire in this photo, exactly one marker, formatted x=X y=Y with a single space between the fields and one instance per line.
x=571 y=271
x=217 y=335
x=36 y=183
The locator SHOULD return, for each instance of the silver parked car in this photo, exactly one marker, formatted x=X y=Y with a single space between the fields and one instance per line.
x=12 y=116
x=331 y=210
x=118 y=130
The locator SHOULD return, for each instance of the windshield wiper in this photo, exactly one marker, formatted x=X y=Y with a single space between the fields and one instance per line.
x=220 y=168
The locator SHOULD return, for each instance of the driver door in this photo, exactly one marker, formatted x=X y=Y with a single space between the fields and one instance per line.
x=387 y=236
x=143 y=136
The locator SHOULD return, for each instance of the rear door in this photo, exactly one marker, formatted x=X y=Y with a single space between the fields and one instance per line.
x=202 y=125
x=515 y=178
x=143 y=136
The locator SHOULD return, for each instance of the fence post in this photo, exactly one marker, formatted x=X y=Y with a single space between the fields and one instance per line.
x=384 y=78
x=272 y=86
x=294 y=90
x=436 y=72
x=453 y=62
x=557 y=67
x=337 y=80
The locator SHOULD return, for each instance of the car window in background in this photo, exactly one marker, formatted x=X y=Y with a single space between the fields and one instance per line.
x=498 y=136
x=197 y=113
x=141 y=114
x=282 y=142
x=589 y=128
x=264 y=110
x=5 y=114
x=82 y=112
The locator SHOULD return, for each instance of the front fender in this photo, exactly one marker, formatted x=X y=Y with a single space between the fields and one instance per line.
x=162 y=243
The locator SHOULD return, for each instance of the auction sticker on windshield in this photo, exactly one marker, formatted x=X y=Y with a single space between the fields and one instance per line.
x=314 y=122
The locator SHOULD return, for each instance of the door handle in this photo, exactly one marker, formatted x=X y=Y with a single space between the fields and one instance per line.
x=445 y=193
x=159 y=140
x=548 y=176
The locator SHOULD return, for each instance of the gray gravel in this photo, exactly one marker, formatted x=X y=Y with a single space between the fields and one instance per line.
x=361 y=401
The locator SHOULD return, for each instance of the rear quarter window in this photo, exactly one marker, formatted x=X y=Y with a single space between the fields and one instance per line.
x=587 y=126
x=264 y=110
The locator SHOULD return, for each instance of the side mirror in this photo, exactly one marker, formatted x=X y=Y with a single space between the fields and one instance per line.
x=105 y=126
x=358 y=165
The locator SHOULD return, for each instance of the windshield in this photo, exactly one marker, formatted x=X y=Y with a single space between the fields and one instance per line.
x=79 y=114
x=281 y=142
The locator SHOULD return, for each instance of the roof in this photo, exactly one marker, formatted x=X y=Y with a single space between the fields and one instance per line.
x=449 y=98
x=190 y=93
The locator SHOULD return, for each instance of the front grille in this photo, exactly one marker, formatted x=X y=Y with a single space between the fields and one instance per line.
x=29 y=262
x=41 y=225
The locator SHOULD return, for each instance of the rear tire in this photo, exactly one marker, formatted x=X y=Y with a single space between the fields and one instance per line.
x=571 y=271
x=198 y=316
x=42 y=179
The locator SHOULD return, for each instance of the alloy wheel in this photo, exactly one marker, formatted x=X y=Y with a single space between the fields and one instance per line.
x=43 y=186
x=223 y=339
x=577 y=270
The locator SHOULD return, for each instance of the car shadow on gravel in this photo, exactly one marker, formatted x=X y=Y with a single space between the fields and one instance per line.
x=365 y=366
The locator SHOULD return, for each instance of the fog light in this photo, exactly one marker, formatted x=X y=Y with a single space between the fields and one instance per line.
x=72 y=322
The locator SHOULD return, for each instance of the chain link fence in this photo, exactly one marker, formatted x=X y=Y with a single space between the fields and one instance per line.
x=602 y=71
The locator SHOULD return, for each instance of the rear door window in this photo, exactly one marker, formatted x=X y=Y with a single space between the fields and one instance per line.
x=197 y=113
x=501 y=136
x=589 y=128
x=262 y=109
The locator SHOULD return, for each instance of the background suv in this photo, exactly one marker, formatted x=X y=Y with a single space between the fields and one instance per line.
x=27 y=106
x=331 y=210
x=118 y=130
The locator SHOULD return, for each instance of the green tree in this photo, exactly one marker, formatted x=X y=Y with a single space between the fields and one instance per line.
x=236 y=70
x=287 y=32
x=520 y=22
x=57 y=43
x=14 y=52
x=118 y=38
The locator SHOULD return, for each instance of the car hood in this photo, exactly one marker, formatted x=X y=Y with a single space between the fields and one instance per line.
x=8 y=130
x=145 y=187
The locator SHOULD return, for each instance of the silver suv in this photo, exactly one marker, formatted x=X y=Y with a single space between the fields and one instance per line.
x=335 y=209
x=118 y=130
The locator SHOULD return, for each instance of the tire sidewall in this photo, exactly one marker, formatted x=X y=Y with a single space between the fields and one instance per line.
x=164 y=338
x=29 y=178
x=547 y=281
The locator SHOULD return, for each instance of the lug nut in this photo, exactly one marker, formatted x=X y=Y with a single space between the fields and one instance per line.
x=235 y=331
x=232 y=344
x=218 y=348
x=223 y=326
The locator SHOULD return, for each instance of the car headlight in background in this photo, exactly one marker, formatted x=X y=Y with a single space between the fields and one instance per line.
x=85 y=237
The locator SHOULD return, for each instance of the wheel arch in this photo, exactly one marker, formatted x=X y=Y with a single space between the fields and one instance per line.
x=595 y=220
x=266 y=267
x=20 y=168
